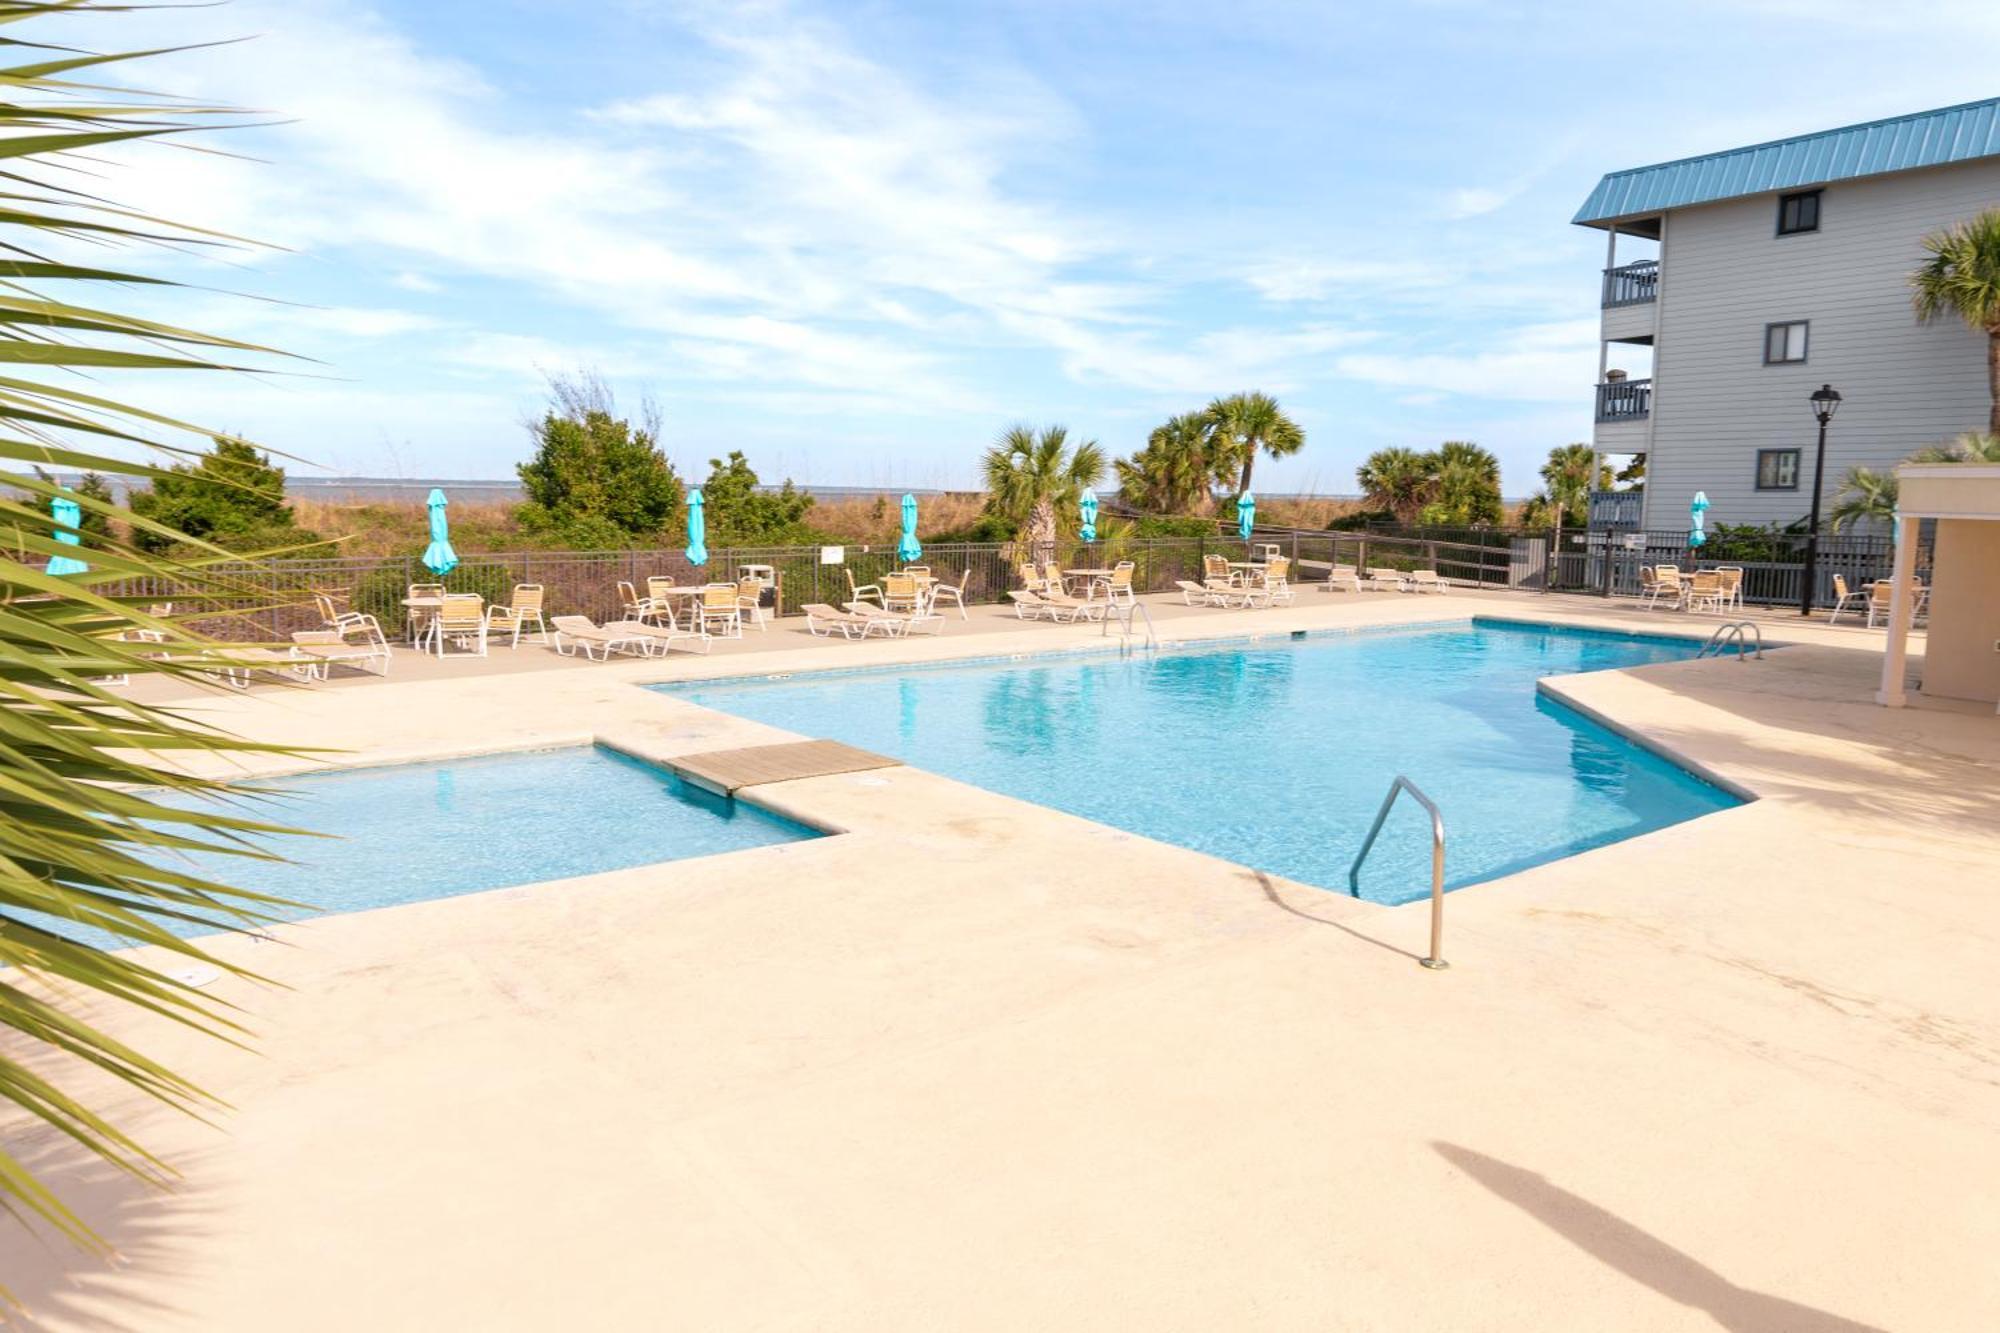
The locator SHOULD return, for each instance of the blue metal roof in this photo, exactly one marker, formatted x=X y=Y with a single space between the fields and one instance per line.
x=1903 y=143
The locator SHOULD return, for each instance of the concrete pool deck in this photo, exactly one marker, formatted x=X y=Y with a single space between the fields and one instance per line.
x=977 y=1064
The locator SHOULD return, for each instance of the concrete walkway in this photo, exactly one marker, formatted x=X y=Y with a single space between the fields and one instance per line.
x=977 y=1064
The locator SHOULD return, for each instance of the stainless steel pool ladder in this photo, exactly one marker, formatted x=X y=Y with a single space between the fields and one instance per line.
x=1738 y=632
x=1435 y=960
x=1127 y=631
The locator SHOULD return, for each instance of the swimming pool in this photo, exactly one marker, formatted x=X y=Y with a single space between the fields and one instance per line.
x=417 y=831
x=1276 y=755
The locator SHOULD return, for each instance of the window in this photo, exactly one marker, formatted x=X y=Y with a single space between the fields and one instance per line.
x=1798 y=212
x=1785 y=343
x=1777 y=469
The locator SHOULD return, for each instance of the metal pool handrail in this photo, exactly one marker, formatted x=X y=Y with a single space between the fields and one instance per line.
x=1127 y=632
x=1436 y=959
x=1733 y=632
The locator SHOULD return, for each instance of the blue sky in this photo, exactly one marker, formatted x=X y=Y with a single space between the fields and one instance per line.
x=858 y=240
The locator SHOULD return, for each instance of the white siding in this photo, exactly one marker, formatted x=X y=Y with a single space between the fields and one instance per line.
x=1725 y=274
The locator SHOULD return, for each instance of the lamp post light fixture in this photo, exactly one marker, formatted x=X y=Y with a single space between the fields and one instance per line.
x=1825 y=402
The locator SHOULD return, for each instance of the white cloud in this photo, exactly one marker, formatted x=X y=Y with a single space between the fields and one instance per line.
x=1551 y=363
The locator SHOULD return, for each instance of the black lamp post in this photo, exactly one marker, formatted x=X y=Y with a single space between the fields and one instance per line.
x=1825 y=402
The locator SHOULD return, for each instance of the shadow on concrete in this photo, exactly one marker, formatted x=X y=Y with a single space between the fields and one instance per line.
x=1644 y=1258
x=151 y=1233
x=1277 y=899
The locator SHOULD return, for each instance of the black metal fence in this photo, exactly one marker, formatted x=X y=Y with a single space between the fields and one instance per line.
x=1773 y=564
x=271 y=598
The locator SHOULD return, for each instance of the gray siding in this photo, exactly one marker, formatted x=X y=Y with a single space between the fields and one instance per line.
x=1725 y=275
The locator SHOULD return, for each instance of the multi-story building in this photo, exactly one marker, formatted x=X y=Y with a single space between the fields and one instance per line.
x=1737 y=283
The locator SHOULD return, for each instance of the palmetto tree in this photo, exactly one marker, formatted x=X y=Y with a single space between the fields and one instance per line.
x=1865 y=496
x=86 y=841
x=1971 y=447
x=1468 y=483
x=1174 y=473
x=1399 y=480
x=1962 y=278
x=1567 y=479
x=1035 y=478
x=1246 y=423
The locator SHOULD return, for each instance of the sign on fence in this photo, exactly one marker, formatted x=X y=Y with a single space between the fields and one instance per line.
x=833 y=555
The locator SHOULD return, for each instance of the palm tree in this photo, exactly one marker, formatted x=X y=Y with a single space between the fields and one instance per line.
x=1568 y=477
x=1247 y=422
x=1174 y=473
x=1468 y=483
x=1865 y=496
x=1962 y=277
x=1034 y=478
x=86 y=835
x=1971 y=447
x=1399 y=480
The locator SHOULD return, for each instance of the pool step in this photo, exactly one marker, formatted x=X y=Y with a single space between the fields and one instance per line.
x=726 y=772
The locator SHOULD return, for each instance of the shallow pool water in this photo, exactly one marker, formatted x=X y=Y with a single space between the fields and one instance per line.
x=416 y=831
x=1277 y=754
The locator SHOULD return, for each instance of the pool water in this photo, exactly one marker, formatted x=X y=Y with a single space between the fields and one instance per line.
x=417 y=831
x=1277 y=755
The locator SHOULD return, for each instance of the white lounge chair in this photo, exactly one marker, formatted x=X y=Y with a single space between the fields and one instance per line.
x=663 y=637
x=1342 y=576
x=1426 y=580
x=1382 y=577
x=824 y=621
x=358 y=642
x=571 y=633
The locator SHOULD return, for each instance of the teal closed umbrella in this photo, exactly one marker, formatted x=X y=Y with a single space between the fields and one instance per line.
x=697 y=547
x=1088 y=508
x=1246 y=514
x=909 y=548
x=69 y=517
x=1698 y=511
x=439 y=558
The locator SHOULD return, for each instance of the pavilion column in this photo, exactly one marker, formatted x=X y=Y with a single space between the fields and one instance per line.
x=1902 y=604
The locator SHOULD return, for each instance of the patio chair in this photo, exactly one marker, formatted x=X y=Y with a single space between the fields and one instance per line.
x=523 y=606
x=1342 y=576
x=1216 y=567
x=658 y=586
x=954 y=592
x=750 y=602
x=1670 y=585
x=1380 y=576
x=357 y=642
x=461 y=620
x=719 y=612
x=1843 y=597
x=570 y=634
x=1880 y=594
x=1275 y=580
x=1052 y=576
x=1704 y=591
x=1732 y=585
x=1030 y=579
x=1119 y=586
x=902 y=592
x=1426 y=580
x=863 y=591
x=330 y=614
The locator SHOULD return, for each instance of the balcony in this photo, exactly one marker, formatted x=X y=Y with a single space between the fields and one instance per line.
x=1624 y=400
x=1632 y=284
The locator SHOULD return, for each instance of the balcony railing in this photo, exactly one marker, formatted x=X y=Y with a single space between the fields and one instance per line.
x=1622 y=510
x=1624 y=400
x=1632 y=284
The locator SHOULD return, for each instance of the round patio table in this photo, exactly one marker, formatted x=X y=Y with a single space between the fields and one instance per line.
x=419 y=612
